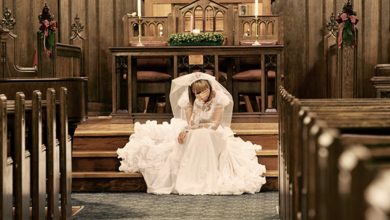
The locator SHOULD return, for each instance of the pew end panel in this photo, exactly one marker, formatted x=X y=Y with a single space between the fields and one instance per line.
x=77 y=92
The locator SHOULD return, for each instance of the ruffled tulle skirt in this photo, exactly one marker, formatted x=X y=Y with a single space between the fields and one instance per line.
x=208 y=162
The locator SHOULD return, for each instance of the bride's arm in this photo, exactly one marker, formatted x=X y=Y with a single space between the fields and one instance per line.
x=188 y=113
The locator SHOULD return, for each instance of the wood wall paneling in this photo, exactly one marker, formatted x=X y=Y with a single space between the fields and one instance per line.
x=92 y=47
x=316 y=76
x=306 y=63
x=370 y=43
x=106 y=40
x=304 y=31
x=385 y=35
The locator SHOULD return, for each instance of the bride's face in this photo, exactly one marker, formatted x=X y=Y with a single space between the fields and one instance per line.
x=201 y=90
x=203 y=95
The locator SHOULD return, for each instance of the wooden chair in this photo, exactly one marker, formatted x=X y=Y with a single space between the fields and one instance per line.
x=153 y=81
x=247 y=82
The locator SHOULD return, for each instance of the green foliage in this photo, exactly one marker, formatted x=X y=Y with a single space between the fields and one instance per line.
x=348 y=34
x=190 y=39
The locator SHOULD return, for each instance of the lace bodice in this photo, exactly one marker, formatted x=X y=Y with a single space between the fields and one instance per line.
x=205 y=114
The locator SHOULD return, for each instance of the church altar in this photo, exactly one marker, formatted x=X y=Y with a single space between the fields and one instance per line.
x=131 y=54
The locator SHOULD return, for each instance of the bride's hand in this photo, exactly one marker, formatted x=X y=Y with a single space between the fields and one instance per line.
x=182 y=136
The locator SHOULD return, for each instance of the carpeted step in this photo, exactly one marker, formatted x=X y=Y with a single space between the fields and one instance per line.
x=90 y=161
x=132 y=182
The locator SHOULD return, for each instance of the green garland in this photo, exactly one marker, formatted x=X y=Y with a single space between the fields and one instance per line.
x=190 y=39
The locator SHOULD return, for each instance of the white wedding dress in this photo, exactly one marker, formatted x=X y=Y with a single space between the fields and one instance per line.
x=210 y=161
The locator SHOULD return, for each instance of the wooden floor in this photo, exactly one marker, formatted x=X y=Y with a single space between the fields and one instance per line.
x=95 y=163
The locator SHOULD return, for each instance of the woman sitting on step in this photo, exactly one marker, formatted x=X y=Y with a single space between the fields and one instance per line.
x=196 y=153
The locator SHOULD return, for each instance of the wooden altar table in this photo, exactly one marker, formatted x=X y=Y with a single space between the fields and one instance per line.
x=132 y=53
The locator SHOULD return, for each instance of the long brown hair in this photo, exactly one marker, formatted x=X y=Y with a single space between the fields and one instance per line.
x=199 y=86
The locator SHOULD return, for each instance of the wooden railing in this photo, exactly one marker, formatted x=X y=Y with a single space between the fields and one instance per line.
x=154 y=30
x=46 y=151
x=331 y=150
x=267 y=30
x=207 y=16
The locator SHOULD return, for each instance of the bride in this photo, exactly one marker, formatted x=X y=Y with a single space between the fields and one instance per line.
x=196 y=153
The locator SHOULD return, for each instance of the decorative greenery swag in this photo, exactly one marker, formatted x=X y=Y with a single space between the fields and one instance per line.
x=188 y=39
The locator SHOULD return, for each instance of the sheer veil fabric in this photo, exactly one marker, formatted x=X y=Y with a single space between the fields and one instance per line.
x=210 y=161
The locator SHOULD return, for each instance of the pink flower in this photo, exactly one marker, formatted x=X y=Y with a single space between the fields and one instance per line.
x=344 y=16
x=354 y=19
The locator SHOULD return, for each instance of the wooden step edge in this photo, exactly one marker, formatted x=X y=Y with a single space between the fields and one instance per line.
x=94 y=154
x=118 y=174
x=256 y=132
x=126 y=129
x=272 y=173
x=267 y=152
x=128 y=133
x=81 y=153
x=102 y=133
x=80 y=175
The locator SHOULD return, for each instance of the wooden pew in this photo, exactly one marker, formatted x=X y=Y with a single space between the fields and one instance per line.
x=6 y=165
x=65 y=158
x=327 y=147
x=57 y=153
x=38 y=189
x=351 y=123
x=289 y=196
x=354 y=178
x=22 y=161
x=375 y=208
x=76 y=87
x=53 y=156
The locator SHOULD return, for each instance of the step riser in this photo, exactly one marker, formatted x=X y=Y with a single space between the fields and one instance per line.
x=99 y=143
x=268 y=142
x=133 y=185
x=88 y=164
x=108 y=185
x=270 y=162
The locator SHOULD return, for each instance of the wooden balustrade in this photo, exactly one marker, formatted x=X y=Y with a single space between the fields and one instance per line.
x=266 y=27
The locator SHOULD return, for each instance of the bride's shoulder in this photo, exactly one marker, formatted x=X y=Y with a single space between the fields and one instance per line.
x=221 y=98
x=183 y=100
